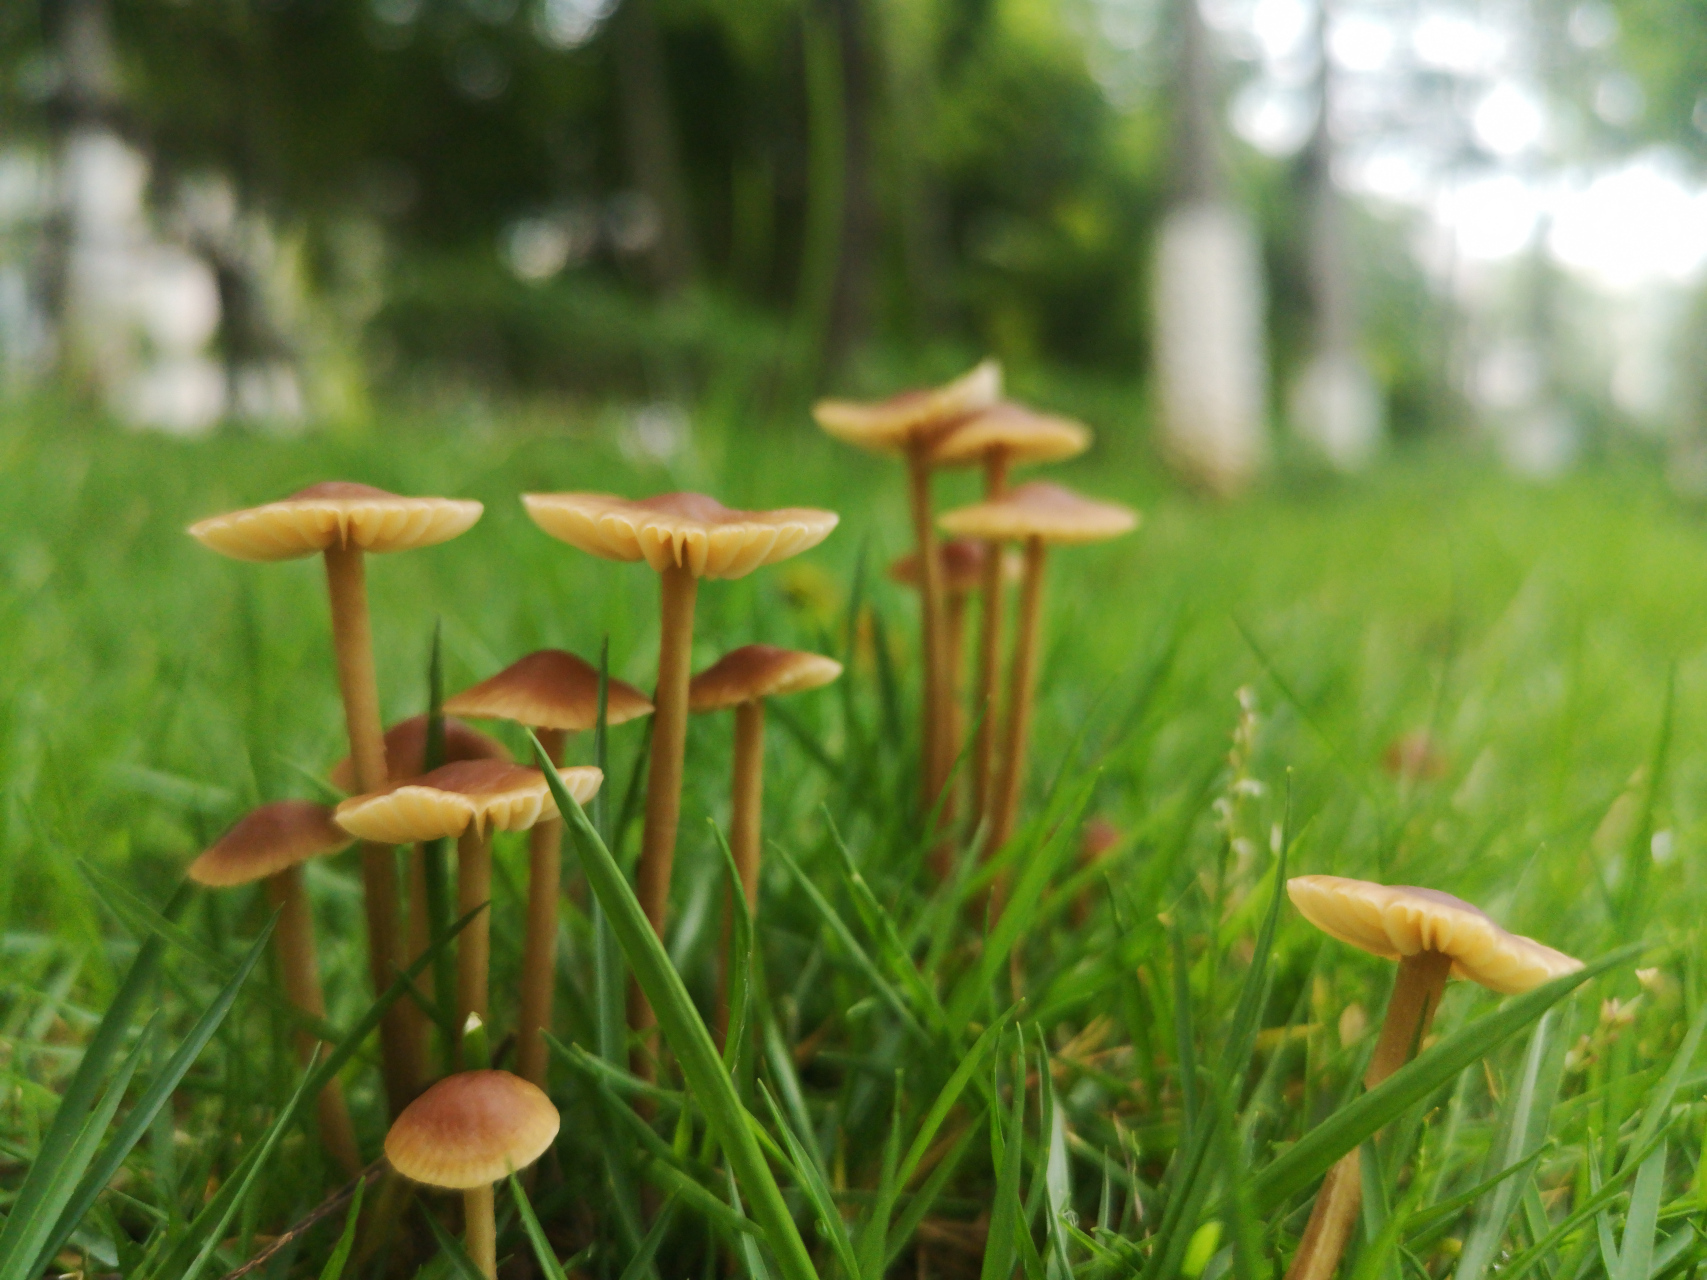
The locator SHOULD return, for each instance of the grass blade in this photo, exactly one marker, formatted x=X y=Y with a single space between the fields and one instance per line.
x=451 y=1248
x=340 y=1257
x=536 y=1234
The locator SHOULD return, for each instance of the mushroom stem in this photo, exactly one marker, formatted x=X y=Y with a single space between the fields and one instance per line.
x=1410 y=1013
x=294 y=938
x=1022 y=680
x=933 y=737
x=352 y=638
x=744 y=836
x=539 y=947
x=474 y=945
x=480 y=1229
x=420 y=933
x=664 y=781
x=989 y=647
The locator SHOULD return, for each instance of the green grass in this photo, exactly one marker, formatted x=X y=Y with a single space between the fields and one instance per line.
x=1549 y=641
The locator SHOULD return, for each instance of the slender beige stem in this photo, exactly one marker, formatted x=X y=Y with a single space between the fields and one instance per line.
x=294 y=938
x=745 y=823
x=480 y=1230
x=420 y=937
x=989 y=648
x=352 y=638
x=933 y=730
x=539 y=947
x=474 y=943
x=1022 y=682
x=954 y=648
x=1410 y=1013
x=663 y=784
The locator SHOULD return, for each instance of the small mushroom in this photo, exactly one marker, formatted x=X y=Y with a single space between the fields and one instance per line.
x=684 y=537
x=271 y=843
x=913 y=425
x=1099 y=839
x=467 y=1132
x=743 y=678
x=1432 y=935
x=341 y=521
x=557 y=694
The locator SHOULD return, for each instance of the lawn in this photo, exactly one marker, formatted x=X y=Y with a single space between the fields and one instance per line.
x=1228 y=681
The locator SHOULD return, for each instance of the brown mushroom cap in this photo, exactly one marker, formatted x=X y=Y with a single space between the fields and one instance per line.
x=960 y=559
x=1394 y=921
x=406 y=750
x=1041 y=510
x=758 y=671
x=679 y=530
x=336 y=514
x=266 y=841
x=489 y=793
x=472 y=1129
x=888 y=426
x=1022 y=434
x=550 y=689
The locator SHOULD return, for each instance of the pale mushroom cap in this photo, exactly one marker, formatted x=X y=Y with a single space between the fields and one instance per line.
x=336 y=514
x=471 y=1130
x=1023 y=435
x=888 y=426
x=961 y=561
x=1041 y=510
x=680 y=530
x=1394 y=921
x=266 y=841
x=406 y=751
x=493 y=795
x=758 y=671
x=550 y=689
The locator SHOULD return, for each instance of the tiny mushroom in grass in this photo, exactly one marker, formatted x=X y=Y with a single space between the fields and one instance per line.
x=342 y=522
x=683 y=537
x=271 y=843
x=743 y=679
x=468 y=800
x=466 y=1133
x=557 y=694
x=913 y=424
x=1433 y=936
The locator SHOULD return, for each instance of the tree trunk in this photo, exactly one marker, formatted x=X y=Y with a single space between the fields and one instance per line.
x=649 y=131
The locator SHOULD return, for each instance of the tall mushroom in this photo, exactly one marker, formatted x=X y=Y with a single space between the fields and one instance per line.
x=743 y=678
x=683 y=537
x=557 y=694
x=912 y=424
x=1005 y=436
x=342 y=521
x=464 y=1134
x=1432 y=935
x=468 y=800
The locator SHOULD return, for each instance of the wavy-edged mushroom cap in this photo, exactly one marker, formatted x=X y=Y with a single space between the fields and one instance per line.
x=406 y=751
x=266 y=841
x=472 y=1129
x=550 y=689
x=758 y=671
x=1022 y=434
x=680 y=530
x=961 y=561
x=888 y=426
x=336 y=514
x=490 y=793
x=1394 y=921
x=1041 y=510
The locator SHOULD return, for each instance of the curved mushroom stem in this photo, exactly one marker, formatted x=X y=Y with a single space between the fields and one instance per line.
x=663 y=784
x=352 y=638
x=480 y=1229
x=1022 y=681
x=932 y=771
x=1410 y=1013
x=294 y=938
x=745 y=821
x=474 y=944
x=539 y=947
x=989 y=648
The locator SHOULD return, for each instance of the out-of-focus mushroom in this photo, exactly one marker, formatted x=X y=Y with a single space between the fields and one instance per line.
x=271 y=843
x=683 y=537
x=467 y=1132
x=1099 y=839
x=1433 y=936
x=743 y=678
x=556 y=694
x=341 y=522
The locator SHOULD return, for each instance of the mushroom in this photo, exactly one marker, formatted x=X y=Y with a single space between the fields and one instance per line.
x=468 y=800
x=464 y=1134
x=684 y=537
x=1432 y=935
x=913 y=425
x=1039 y=515
x=1000 y=438
x=271 y=843
x=743 y=678
x=342 y=521
x=557 y=694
